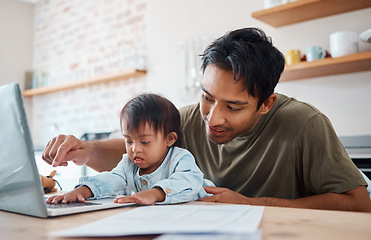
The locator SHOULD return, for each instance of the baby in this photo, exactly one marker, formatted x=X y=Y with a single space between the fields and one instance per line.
x=155 y=166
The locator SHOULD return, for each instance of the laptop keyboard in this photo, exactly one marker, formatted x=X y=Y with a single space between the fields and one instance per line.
x=71 y=204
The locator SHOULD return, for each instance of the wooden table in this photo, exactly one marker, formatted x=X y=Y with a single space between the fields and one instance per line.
x=277 y=223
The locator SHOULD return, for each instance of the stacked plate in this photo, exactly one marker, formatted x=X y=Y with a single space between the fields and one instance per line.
x=366 y=36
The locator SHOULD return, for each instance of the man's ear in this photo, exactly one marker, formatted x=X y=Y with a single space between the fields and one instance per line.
x=171 y=138
x=268 y=104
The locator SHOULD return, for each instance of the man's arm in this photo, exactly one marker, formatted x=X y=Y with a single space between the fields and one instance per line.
x=354 y=200
x=106 y=154
x=101 y=155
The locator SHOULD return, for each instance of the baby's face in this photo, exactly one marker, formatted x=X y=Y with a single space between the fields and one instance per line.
x=146 y=148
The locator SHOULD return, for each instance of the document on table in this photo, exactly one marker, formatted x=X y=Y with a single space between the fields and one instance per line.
x=179 y=218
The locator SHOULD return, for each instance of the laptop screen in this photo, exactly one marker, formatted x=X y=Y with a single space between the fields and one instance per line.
x=20 y=185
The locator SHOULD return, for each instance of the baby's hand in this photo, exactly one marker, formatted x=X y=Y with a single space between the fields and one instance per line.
x=147 y=197
x=65 y=198
x=77 y=195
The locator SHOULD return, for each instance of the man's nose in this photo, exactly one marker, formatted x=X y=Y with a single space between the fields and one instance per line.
x=215 y=116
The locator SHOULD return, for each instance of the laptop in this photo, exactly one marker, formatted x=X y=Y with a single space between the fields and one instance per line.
x=21 y=190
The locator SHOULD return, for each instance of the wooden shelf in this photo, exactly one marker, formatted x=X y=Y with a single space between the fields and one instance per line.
x=303 y=10
x=131 y=73
x=329 y=66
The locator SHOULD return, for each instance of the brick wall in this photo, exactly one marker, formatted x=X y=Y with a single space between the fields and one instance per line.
x=79 y=39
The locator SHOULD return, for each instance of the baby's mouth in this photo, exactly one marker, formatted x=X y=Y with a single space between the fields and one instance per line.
x=138 y=160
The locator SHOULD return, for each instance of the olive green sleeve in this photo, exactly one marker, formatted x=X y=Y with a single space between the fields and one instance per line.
x=326 y=166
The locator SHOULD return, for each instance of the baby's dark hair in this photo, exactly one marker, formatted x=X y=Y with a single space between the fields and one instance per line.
x=157 y=111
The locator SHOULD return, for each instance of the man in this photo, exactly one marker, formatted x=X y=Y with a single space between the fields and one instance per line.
x=258 y=147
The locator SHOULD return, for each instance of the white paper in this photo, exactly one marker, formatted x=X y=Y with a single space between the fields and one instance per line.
x=213 y=236
x=162 y=219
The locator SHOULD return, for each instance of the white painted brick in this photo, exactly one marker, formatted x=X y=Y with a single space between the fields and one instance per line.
x=81 y=39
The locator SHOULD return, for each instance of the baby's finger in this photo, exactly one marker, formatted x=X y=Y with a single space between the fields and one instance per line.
x=80 y=198
x=69 y=198
x=57 y=199
x=127 y=199
x=51 y=198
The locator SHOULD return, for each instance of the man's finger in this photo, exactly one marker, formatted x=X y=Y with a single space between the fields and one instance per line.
x=63 y=164
x=214 y=190
x=54 y=146
x=45 y=155
x=209 y=199
x=67 y=145
x=78 y=157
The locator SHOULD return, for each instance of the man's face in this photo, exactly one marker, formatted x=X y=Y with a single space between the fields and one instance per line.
x=227 y=110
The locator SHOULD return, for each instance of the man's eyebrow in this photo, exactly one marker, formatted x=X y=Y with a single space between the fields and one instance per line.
x=226 y=101
x=237 y=102
x=203 y=89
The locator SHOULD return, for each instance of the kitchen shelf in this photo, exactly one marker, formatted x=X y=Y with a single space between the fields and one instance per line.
x=130 y=73
x=303 y=10
x=329 y=66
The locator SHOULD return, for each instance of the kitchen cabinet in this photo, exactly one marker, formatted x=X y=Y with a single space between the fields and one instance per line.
x=303 y=10
x=130 y=73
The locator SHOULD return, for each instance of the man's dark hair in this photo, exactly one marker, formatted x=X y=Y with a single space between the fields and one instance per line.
x=250 y=55
x=157 y=111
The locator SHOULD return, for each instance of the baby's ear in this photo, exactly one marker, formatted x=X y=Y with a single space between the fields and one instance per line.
x=171 y=138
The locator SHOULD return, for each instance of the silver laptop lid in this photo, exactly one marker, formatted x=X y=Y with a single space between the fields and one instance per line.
x=20 y=185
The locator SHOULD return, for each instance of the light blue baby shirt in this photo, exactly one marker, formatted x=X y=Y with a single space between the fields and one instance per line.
x=178 y=176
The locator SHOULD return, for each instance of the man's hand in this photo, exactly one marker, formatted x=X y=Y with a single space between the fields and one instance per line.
x=224 y=195
x=62 y=149
x=353 y=200
x=147 y=197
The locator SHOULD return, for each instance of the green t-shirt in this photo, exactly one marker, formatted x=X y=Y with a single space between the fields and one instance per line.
x=292 y=152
